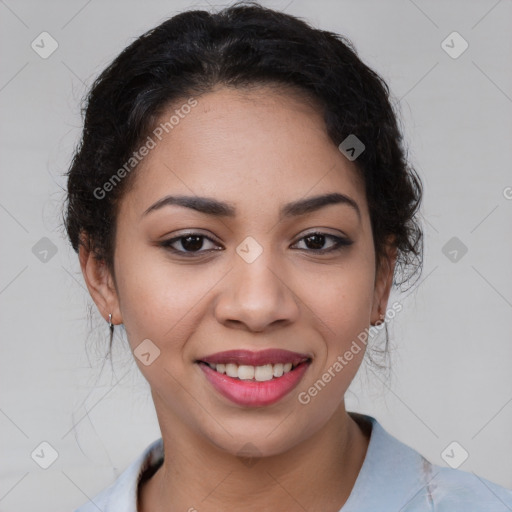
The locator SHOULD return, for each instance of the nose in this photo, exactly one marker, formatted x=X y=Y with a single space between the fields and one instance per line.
x=256 y=297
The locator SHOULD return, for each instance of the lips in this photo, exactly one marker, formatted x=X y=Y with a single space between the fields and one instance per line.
x=260 y=358
x=254 y=379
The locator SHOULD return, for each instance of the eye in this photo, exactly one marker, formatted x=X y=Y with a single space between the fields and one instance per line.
x=315 y=241
x=190 y=243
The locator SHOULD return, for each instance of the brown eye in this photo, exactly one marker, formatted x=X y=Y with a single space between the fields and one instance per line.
x=315 y=242
x=188 y=244
x=192 y=242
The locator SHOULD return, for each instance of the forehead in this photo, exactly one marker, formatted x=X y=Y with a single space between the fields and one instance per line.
x=248 y=145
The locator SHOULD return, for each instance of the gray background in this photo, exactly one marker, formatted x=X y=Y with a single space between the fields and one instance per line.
x=450 y=378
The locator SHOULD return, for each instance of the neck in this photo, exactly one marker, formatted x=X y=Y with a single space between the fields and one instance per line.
x=317 y=475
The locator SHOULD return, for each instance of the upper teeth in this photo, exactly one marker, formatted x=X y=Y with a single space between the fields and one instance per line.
x=246 y=372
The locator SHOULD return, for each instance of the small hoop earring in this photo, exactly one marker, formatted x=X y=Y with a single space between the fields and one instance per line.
x=381 y=318
x=111 y=327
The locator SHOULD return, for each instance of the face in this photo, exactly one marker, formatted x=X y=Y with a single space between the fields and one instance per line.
x=277 y=268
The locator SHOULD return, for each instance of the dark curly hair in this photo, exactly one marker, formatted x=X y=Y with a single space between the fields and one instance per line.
x=241 y=46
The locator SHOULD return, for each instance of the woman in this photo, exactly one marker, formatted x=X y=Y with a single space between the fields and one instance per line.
x=241 y=203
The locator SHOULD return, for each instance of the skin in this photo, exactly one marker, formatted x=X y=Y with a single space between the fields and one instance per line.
x=257 y=150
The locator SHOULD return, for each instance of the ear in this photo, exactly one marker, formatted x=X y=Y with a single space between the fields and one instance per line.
x=100 y=284
x=383 y=283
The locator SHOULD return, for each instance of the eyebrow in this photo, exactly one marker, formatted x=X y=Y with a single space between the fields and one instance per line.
x=205 y=205
x=314 y=203
x=210 y=206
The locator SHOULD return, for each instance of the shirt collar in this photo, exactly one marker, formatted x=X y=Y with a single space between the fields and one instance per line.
x=386 y=456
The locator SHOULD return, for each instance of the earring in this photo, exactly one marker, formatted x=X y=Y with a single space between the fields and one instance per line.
x=111 y=327
x=381 y=318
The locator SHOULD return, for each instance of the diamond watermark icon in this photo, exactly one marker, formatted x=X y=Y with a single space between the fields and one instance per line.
x=249 y=454
x=44 y=45
x=249 y=249
x=454 y=45
x=146 y=352
x=44 y=250
x=454 y=455
x=351 y=147
x=44 y=455
x=454 y=249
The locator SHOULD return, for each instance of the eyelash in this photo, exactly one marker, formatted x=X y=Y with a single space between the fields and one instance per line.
x=340 y=244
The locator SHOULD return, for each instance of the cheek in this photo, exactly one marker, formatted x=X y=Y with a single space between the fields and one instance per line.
x=158 y=301
x=342 y=297
x=341 y=301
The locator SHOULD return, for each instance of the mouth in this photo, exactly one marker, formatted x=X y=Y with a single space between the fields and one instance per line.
x=254 y=379
x=255 y=373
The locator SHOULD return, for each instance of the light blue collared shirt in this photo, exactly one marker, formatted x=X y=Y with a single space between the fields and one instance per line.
x=393 y=478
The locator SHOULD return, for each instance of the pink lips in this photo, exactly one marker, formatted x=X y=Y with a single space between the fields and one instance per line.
x=251 y=393
x=270 y=356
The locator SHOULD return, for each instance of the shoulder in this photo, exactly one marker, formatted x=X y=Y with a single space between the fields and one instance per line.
x=122 y=493
x=454 y=489
x=399 y=475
